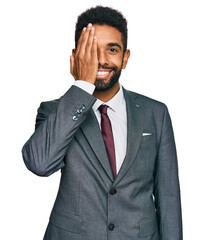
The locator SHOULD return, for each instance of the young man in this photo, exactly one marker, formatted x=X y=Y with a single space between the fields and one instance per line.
x=115 y=148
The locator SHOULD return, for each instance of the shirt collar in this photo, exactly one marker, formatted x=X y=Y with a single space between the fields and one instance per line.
x=114 y=103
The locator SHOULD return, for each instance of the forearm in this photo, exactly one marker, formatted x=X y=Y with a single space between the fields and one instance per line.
x=43 y=153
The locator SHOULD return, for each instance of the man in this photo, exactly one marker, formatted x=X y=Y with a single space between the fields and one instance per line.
x=115 y=148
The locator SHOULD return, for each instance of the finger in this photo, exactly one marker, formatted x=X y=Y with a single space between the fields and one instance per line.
x=80 y=40
x=94 y=54
x=84 y=40
x=72 y=65
x=89 y=42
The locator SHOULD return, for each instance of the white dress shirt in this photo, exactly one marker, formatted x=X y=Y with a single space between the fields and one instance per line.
x=117 y=114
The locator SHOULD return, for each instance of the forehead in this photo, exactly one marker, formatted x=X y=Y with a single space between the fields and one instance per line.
x=107 y=34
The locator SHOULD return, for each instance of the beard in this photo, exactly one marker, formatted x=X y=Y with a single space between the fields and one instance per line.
x=101 y=85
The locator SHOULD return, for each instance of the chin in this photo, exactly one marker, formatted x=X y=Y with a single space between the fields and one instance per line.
x=104 y=84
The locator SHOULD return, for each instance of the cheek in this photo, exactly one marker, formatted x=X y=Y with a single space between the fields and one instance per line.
x=116 y=60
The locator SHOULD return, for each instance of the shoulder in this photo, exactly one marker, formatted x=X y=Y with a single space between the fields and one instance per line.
x=154 y=112
x=44 y=110
x=48 y=107
x=146 y=102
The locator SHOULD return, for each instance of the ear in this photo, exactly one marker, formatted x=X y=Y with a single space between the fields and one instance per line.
x=125 y=58
x=73 y=52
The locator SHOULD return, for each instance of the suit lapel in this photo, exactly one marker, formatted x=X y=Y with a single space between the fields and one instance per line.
x=134 y=132
x=92 y=132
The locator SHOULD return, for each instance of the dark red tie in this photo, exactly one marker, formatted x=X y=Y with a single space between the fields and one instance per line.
x=108 y=137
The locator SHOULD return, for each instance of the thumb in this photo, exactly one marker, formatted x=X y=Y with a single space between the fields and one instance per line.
x=72 y=65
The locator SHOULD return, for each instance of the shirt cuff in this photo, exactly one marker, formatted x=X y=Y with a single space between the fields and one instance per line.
x=86 y=86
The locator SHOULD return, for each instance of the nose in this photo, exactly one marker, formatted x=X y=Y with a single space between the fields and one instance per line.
x=102 y=58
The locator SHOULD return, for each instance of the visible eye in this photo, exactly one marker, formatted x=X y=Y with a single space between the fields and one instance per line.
x=113 y=50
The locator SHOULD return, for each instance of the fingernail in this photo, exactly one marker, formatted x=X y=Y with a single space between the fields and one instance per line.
x=89 y=25
x=84 y=29
x=92 y=29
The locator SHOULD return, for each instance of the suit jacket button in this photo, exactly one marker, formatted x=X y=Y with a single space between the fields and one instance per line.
x=111 y=226
x=81 y=108
x=77 y=114
x=75 y=118
x=113 y=191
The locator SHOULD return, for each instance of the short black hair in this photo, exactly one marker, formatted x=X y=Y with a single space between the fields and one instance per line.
x=102 y=16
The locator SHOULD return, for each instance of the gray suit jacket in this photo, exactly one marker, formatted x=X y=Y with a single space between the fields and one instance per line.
x=142 y=203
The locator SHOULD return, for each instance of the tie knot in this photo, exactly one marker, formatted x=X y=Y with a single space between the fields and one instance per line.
x=103 y=109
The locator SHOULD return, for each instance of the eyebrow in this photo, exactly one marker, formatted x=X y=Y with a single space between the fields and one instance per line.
x=115 y=45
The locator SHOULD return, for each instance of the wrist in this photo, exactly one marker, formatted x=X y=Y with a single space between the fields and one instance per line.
x=86 y=86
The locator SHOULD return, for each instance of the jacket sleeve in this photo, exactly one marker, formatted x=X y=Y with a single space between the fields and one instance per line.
x=166 y=185
x=43 y=153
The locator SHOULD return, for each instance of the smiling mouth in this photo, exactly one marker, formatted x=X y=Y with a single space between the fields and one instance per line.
x=102 y=74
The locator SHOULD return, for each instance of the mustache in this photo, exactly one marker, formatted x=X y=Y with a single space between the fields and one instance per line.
x=107 y=68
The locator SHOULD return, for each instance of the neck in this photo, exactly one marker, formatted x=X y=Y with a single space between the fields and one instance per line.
x=105 y=96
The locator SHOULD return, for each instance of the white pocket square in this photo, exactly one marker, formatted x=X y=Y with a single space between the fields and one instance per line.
x=146 y=134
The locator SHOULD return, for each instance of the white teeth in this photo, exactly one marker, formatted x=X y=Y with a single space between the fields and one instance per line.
x=102 y=73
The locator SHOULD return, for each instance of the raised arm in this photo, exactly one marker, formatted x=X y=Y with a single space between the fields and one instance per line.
x=56 y=123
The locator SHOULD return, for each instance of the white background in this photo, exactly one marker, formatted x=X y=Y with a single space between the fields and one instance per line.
x=166 y=39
